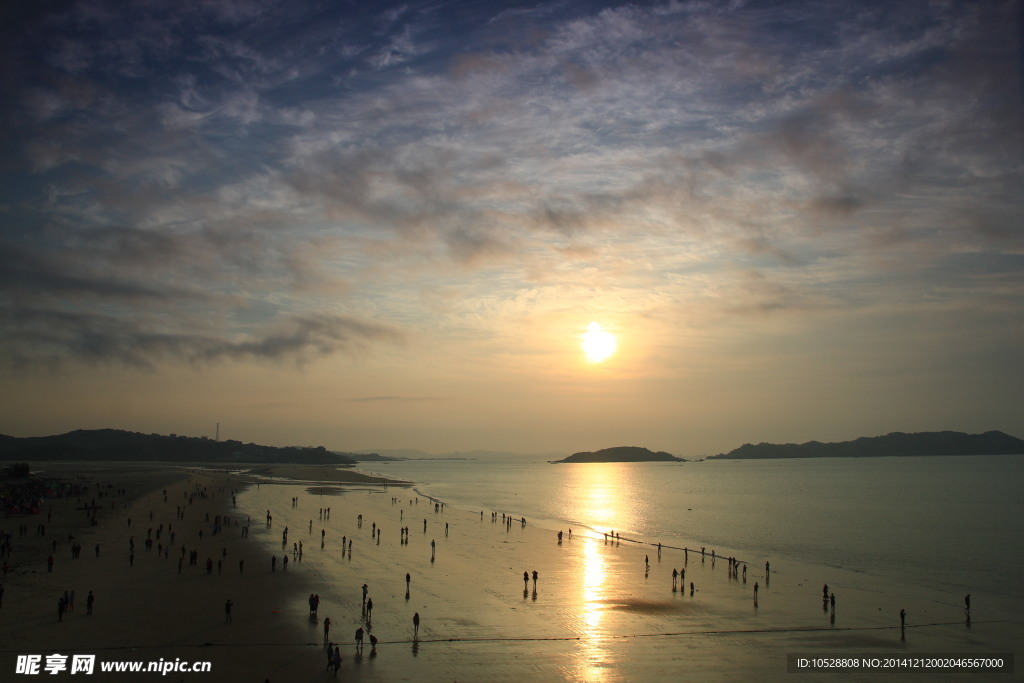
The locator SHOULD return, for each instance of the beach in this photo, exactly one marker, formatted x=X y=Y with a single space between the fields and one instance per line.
x=600 y=609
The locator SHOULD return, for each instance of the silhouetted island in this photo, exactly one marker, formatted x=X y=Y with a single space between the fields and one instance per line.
x=119 y=445
x=894 y=444
x=621 y=454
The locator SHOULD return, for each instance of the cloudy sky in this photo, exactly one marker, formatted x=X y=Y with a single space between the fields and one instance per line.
x=384 y=225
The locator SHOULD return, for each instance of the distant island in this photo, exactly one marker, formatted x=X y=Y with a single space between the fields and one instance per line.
x=894 y=444
x=119 y=445
x=621 y=454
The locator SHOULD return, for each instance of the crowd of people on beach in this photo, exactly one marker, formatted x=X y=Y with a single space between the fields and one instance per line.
x=205 y=550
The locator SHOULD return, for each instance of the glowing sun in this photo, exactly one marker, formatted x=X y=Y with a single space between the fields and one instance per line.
x=598 y=343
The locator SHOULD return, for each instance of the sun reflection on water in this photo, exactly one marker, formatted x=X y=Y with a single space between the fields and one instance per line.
x=601 y=486
x=601 y=507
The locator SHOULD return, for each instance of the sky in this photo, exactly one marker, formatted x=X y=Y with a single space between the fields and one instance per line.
x=378 y=225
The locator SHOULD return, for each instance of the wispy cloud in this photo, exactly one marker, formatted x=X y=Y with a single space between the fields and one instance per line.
x=49 y=338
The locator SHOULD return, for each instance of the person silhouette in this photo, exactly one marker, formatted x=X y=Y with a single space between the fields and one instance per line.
x=415 y=624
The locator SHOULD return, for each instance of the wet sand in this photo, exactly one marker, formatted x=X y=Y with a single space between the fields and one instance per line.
x=596 y=613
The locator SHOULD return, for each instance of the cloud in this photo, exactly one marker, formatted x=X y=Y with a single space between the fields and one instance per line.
x=272 y=161
x=396 y=399
x=38 y=337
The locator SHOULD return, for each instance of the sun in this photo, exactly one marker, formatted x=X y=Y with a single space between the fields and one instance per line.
x=598 y=343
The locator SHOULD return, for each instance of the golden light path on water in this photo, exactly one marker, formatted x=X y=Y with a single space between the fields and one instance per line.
x=601 y=497
x=594 y=658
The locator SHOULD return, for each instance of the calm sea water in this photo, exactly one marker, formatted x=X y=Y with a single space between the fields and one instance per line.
x=949 y=524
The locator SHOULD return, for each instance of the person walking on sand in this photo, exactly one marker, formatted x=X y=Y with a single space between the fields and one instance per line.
x=227 y=611
x=359 y=638
x=755 y=593
x=327 y=628
x=415 y=624
x=336 y=659
x=967 y=604
x=369 y=608
x=407 y=580
x=365 y=590
x=88 y=602
x=526 y=579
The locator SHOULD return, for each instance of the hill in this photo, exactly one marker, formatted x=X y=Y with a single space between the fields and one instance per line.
x=894 y=444
x=621 y=454
x=114 y=444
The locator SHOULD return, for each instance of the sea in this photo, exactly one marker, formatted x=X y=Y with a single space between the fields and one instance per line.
x=948 y=525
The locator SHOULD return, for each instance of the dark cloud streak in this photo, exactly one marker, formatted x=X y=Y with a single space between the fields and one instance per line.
x=36 y=337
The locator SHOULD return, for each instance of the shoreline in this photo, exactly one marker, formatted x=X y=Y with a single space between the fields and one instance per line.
x=594 y=614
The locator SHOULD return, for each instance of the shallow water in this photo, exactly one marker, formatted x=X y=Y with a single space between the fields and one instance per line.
x=950 y=524
x=598 y=612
